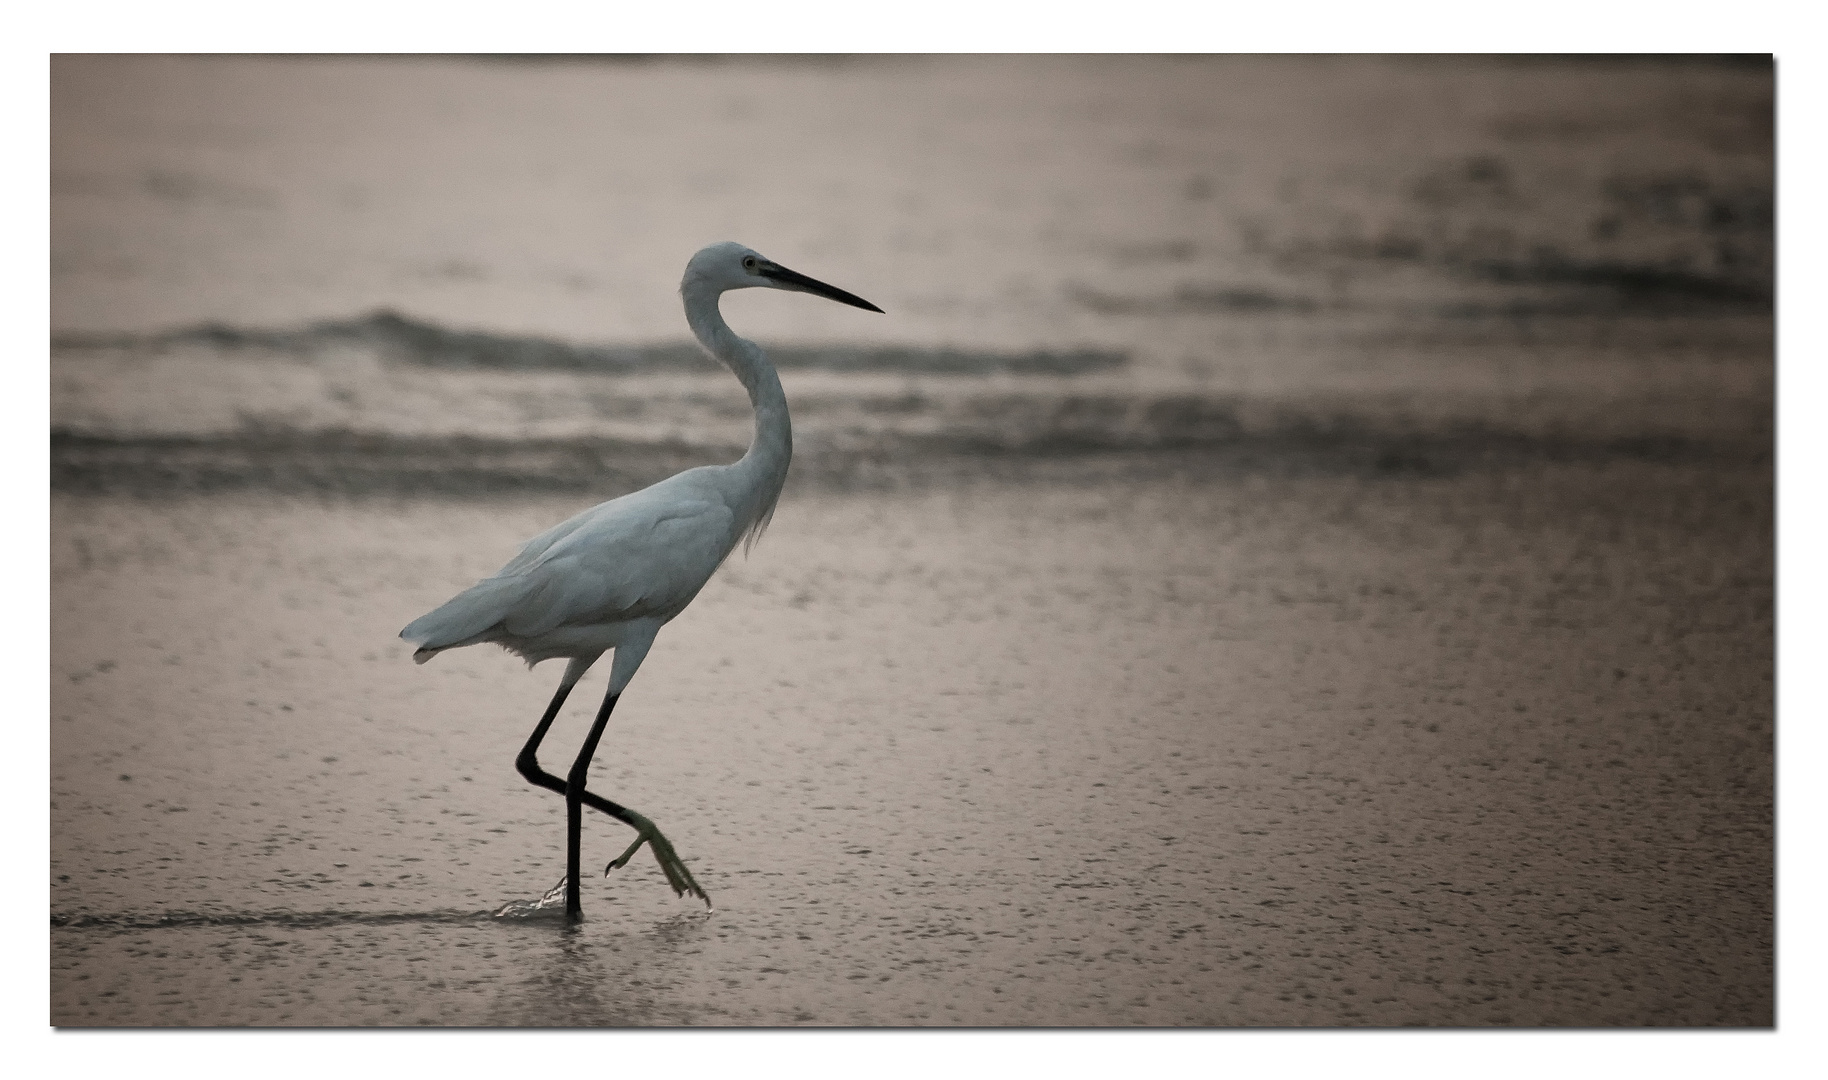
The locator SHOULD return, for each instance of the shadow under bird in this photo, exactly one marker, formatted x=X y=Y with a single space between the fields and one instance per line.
x=612 y=576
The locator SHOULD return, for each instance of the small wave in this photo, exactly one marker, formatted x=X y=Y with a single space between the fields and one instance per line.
x=402 y=339
x=1072 y=429
x=1625 y=285
x=1192 y=300
x=360 y=463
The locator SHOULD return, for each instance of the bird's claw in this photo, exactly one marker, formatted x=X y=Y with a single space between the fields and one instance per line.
x=677 y=876
x=621 y=860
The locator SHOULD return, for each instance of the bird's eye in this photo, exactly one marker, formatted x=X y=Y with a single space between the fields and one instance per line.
x=749 y=262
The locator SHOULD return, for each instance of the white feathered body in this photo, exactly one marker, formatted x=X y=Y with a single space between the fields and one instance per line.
x=620 y=568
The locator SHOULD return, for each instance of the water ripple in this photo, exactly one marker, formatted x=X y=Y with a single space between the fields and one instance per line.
x=291 y=920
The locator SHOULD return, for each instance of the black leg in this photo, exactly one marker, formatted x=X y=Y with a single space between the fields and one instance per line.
x=529 y=765
x=574 y=807
x=528 y=762
x=575 y=794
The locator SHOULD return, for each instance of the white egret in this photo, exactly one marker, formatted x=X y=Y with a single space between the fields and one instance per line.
x=612 y=576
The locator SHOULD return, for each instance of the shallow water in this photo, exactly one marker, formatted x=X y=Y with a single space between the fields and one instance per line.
x=1219 y=749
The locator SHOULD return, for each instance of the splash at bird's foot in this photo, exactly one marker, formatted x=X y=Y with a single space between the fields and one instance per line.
x=552 y=901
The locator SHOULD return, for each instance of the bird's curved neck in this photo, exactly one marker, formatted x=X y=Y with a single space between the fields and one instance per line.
x=765 y=465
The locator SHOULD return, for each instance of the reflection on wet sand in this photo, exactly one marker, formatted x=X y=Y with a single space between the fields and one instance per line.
x=577 y=982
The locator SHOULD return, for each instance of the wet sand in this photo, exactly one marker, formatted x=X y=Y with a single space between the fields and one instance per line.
x=1140 y=740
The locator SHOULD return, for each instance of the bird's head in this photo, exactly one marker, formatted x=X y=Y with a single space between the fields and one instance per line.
x=728 y=265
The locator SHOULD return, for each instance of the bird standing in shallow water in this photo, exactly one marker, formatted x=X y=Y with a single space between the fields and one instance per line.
x=612 y=576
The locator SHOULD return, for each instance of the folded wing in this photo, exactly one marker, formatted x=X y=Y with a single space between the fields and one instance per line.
x=635 y=557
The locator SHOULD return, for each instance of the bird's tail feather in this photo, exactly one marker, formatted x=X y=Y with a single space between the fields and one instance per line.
x=471 y=612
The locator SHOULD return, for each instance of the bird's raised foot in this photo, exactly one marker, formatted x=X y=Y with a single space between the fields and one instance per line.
x=677 y=876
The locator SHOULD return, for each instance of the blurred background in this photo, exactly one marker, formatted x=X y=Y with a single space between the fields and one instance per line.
x=314 y=272
x=1296 y=551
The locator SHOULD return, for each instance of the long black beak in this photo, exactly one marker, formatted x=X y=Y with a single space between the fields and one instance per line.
x=788 y=279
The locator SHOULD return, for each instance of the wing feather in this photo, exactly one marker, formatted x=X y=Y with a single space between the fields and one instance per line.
x=645 y=554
